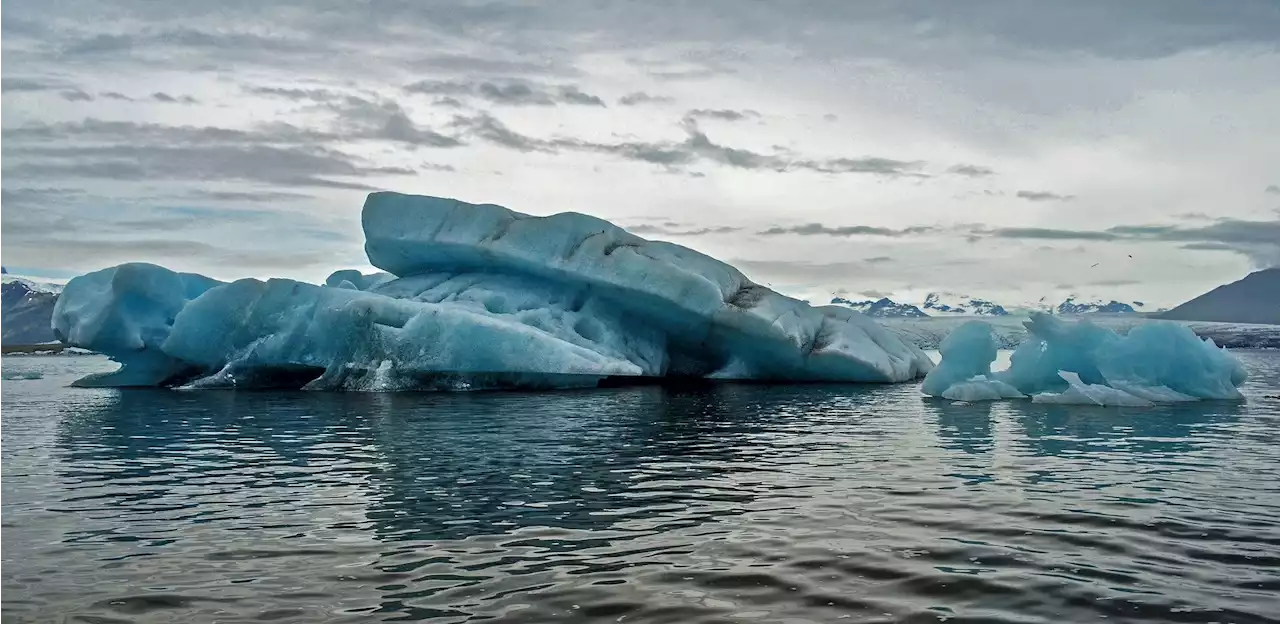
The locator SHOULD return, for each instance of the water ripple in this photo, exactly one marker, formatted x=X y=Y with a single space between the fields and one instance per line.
x=728 y=503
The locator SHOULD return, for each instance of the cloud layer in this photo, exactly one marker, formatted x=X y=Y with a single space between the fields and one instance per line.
x=993 y=150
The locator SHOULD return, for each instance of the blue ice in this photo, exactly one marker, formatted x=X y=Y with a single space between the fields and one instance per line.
x=1081 y=363
x=476 y=296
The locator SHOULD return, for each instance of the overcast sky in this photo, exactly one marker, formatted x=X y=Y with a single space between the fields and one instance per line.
x=990 y=148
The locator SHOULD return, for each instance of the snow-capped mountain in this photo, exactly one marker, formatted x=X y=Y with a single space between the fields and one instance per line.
x=26 y=313
x=1071 y=306
x=31 y=283
x=27 y=309
x=938 y=304
x=942 y=304
x=881 y=308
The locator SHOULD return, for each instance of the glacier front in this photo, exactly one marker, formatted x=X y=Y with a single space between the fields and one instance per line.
x=1082 y=363
x=474 y=296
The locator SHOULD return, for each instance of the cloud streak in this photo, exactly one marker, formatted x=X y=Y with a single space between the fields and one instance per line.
x=637 y=98
x=971 y=171
x=511 y=93
x=664 y=230
x=1043 y=196
x=1257 y=240
x=696 y=148
x=818 y=229
x=722 y=114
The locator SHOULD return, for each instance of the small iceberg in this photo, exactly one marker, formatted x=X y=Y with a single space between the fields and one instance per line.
x=1083 y=364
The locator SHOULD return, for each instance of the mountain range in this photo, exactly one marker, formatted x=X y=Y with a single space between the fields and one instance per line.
x=947 y=304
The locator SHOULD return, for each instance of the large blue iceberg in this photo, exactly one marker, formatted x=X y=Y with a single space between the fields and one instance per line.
x=1081 y=363
x=474 y=296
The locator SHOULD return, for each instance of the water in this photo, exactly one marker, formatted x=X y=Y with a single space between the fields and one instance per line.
x=723 y=504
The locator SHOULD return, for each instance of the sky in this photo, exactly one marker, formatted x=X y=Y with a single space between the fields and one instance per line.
x=1005 y=149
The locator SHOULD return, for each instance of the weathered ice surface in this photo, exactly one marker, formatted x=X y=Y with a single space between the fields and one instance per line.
x=476 y=296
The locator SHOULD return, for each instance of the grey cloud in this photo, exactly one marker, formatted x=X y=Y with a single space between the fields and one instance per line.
x=818 y=229
x=1114 y=282
x=1209 y=247
x=1044 y=196
x=721 y=114
x=161 y=96
x=880 y=166
x=694 y=73
x=252 y=197
x=115 y=95
x=830 y=117
x=436 y=167
x=36 y=197
x=111 y=44
x=449 y=102
x=668 y=230
x=99 y=44
x=359 y=117
x=1257 y=240
x=294 y=93
x=265 y=164
x=386 y=120
x=471 y=65
x=574 y=95
x=487 y=127
x=640 y=97
x=696 y=147
x=30 y=85
x=1273 y=190
x=515 y=93
x=877 y=259
x=76 y=95
x=930 y=31
x=98 y=130
x=971 y=171
x=1048 y=234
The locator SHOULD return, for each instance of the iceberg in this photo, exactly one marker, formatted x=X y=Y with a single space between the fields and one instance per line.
x=475 y=296
x=1082 y=363
x=126 y=312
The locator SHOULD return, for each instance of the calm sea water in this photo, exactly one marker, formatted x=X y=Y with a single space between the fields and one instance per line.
x=725 y=504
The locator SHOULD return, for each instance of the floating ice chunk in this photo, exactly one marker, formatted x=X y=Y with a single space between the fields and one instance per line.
x=485 y=297
x=1080 y=393
x=1157 y=361
x=1169 y=355
x=127 y=312
x=966 y=353
x=981 y=389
